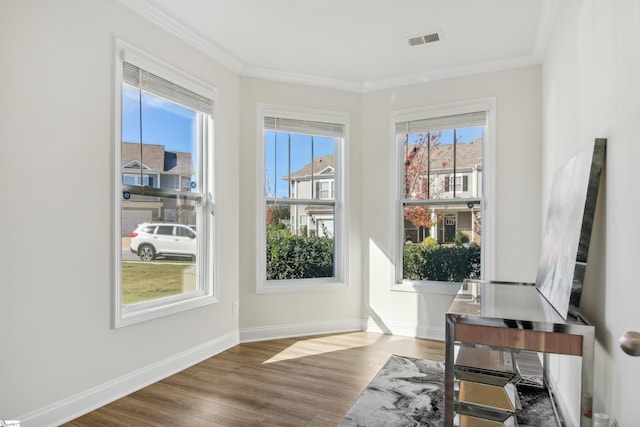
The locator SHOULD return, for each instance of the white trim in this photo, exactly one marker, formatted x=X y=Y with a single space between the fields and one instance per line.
x=488 y=191
x=148 y=11
x=545 y=26
x=68 y=409
x=265 y=333
x=407 y=330
x=302 y=79
x=450 y=73
x=341 y=239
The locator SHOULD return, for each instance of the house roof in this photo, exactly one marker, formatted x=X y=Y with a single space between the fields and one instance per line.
x=157 y=159
x=318 y=166
x=467 y=155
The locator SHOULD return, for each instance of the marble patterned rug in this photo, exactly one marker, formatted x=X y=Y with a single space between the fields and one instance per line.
x=410 y=392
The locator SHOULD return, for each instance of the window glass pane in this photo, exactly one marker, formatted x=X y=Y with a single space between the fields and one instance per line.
x=156 y=260
x=444 y=247
x=296 y=250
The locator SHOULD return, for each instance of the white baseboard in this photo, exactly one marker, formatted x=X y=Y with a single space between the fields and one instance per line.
x=299 y=329
x=407 y=330
x=82 y=403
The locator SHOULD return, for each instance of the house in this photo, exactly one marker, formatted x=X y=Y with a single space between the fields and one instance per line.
x=315 y=180
x=160 y=169
x=445 y=172
x=61 y=355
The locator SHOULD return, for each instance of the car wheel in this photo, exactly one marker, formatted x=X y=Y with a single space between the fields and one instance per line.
x=146 y=252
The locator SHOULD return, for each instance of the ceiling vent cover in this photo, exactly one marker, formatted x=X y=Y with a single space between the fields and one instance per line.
x=424 y=39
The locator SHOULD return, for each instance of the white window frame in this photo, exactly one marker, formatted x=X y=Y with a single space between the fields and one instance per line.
x=453 y=183
x=207 y=290
x=488 y=193
x=330 y=190
x=339 y=281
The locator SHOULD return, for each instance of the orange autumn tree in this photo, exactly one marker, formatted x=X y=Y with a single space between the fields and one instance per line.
x=420 y=157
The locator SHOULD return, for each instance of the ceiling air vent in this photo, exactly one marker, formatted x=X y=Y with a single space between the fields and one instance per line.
x=427 y=38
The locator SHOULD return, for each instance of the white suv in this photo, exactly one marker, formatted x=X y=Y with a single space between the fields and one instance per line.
x=150 y=240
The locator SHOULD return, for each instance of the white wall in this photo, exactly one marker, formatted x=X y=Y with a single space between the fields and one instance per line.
x=515 y=202
x=284 y=314
x=591 y=89
x=58 y=351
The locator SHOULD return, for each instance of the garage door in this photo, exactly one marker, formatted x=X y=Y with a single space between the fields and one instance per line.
x=131 y=219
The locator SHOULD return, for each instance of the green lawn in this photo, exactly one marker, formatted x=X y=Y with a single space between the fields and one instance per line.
x=143 y=281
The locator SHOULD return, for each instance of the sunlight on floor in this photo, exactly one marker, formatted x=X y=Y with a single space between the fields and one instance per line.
x=327 y=344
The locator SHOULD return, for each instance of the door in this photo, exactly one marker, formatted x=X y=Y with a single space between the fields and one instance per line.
x=449 y=229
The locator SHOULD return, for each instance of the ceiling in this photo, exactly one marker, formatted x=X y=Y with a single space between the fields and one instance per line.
x=358 y=45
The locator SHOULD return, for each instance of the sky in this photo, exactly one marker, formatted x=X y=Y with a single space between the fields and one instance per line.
x=164 y=122
x=278 y=154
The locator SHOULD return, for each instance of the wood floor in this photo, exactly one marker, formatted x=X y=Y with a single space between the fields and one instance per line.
x=309 y=381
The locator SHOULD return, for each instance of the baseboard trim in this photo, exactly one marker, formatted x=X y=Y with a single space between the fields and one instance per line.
x=299 y=330
x=407 y=330
x=89 y=400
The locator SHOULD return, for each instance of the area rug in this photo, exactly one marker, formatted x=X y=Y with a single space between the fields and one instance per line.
x=410 y=392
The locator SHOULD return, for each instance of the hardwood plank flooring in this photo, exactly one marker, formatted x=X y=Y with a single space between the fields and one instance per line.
x=304 y=381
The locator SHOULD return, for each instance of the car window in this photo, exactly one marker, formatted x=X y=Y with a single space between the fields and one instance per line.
x=148 y=229
x=165 y=230
x=185 y=232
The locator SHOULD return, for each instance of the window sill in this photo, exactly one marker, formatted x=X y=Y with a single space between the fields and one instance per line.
x=427 y=287
x=141 y=312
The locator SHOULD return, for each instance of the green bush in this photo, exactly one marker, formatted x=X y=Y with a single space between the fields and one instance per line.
x=441 y=263
x=430 y=242
x=461 y=238
x=298 y=257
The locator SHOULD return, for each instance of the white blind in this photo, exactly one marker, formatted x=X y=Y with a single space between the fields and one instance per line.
x=149 y=82
x=304 y=127
x=478 y=118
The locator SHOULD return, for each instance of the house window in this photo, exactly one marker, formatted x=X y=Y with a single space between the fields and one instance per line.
x=324 y=189
x=440 y=166
x=164 y=192
x=303 y=177
x=457 y=183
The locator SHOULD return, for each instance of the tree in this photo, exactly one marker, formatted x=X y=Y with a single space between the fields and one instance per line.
x=276 y=213
x=419 y=183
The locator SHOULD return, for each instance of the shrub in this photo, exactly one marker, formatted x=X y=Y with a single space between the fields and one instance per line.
x=441 y=263
x=298 y=257
x=461 y=238
x=430 y=242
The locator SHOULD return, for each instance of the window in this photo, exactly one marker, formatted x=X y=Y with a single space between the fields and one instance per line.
x=324 y=189
x=164 y=191
x=440 y=201
x=302 y=199
x=458 y=183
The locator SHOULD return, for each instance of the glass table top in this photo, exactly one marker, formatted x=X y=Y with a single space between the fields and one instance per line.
x=515 y=301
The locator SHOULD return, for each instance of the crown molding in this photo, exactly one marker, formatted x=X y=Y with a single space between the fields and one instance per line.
x=152 y=13
x=545 y=26
x=450 y=73
x=283 y=76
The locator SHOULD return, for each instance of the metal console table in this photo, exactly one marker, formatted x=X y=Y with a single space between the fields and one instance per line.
x=512 y=317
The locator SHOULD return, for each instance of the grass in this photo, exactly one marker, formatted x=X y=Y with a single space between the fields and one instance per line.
x=144 y=281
